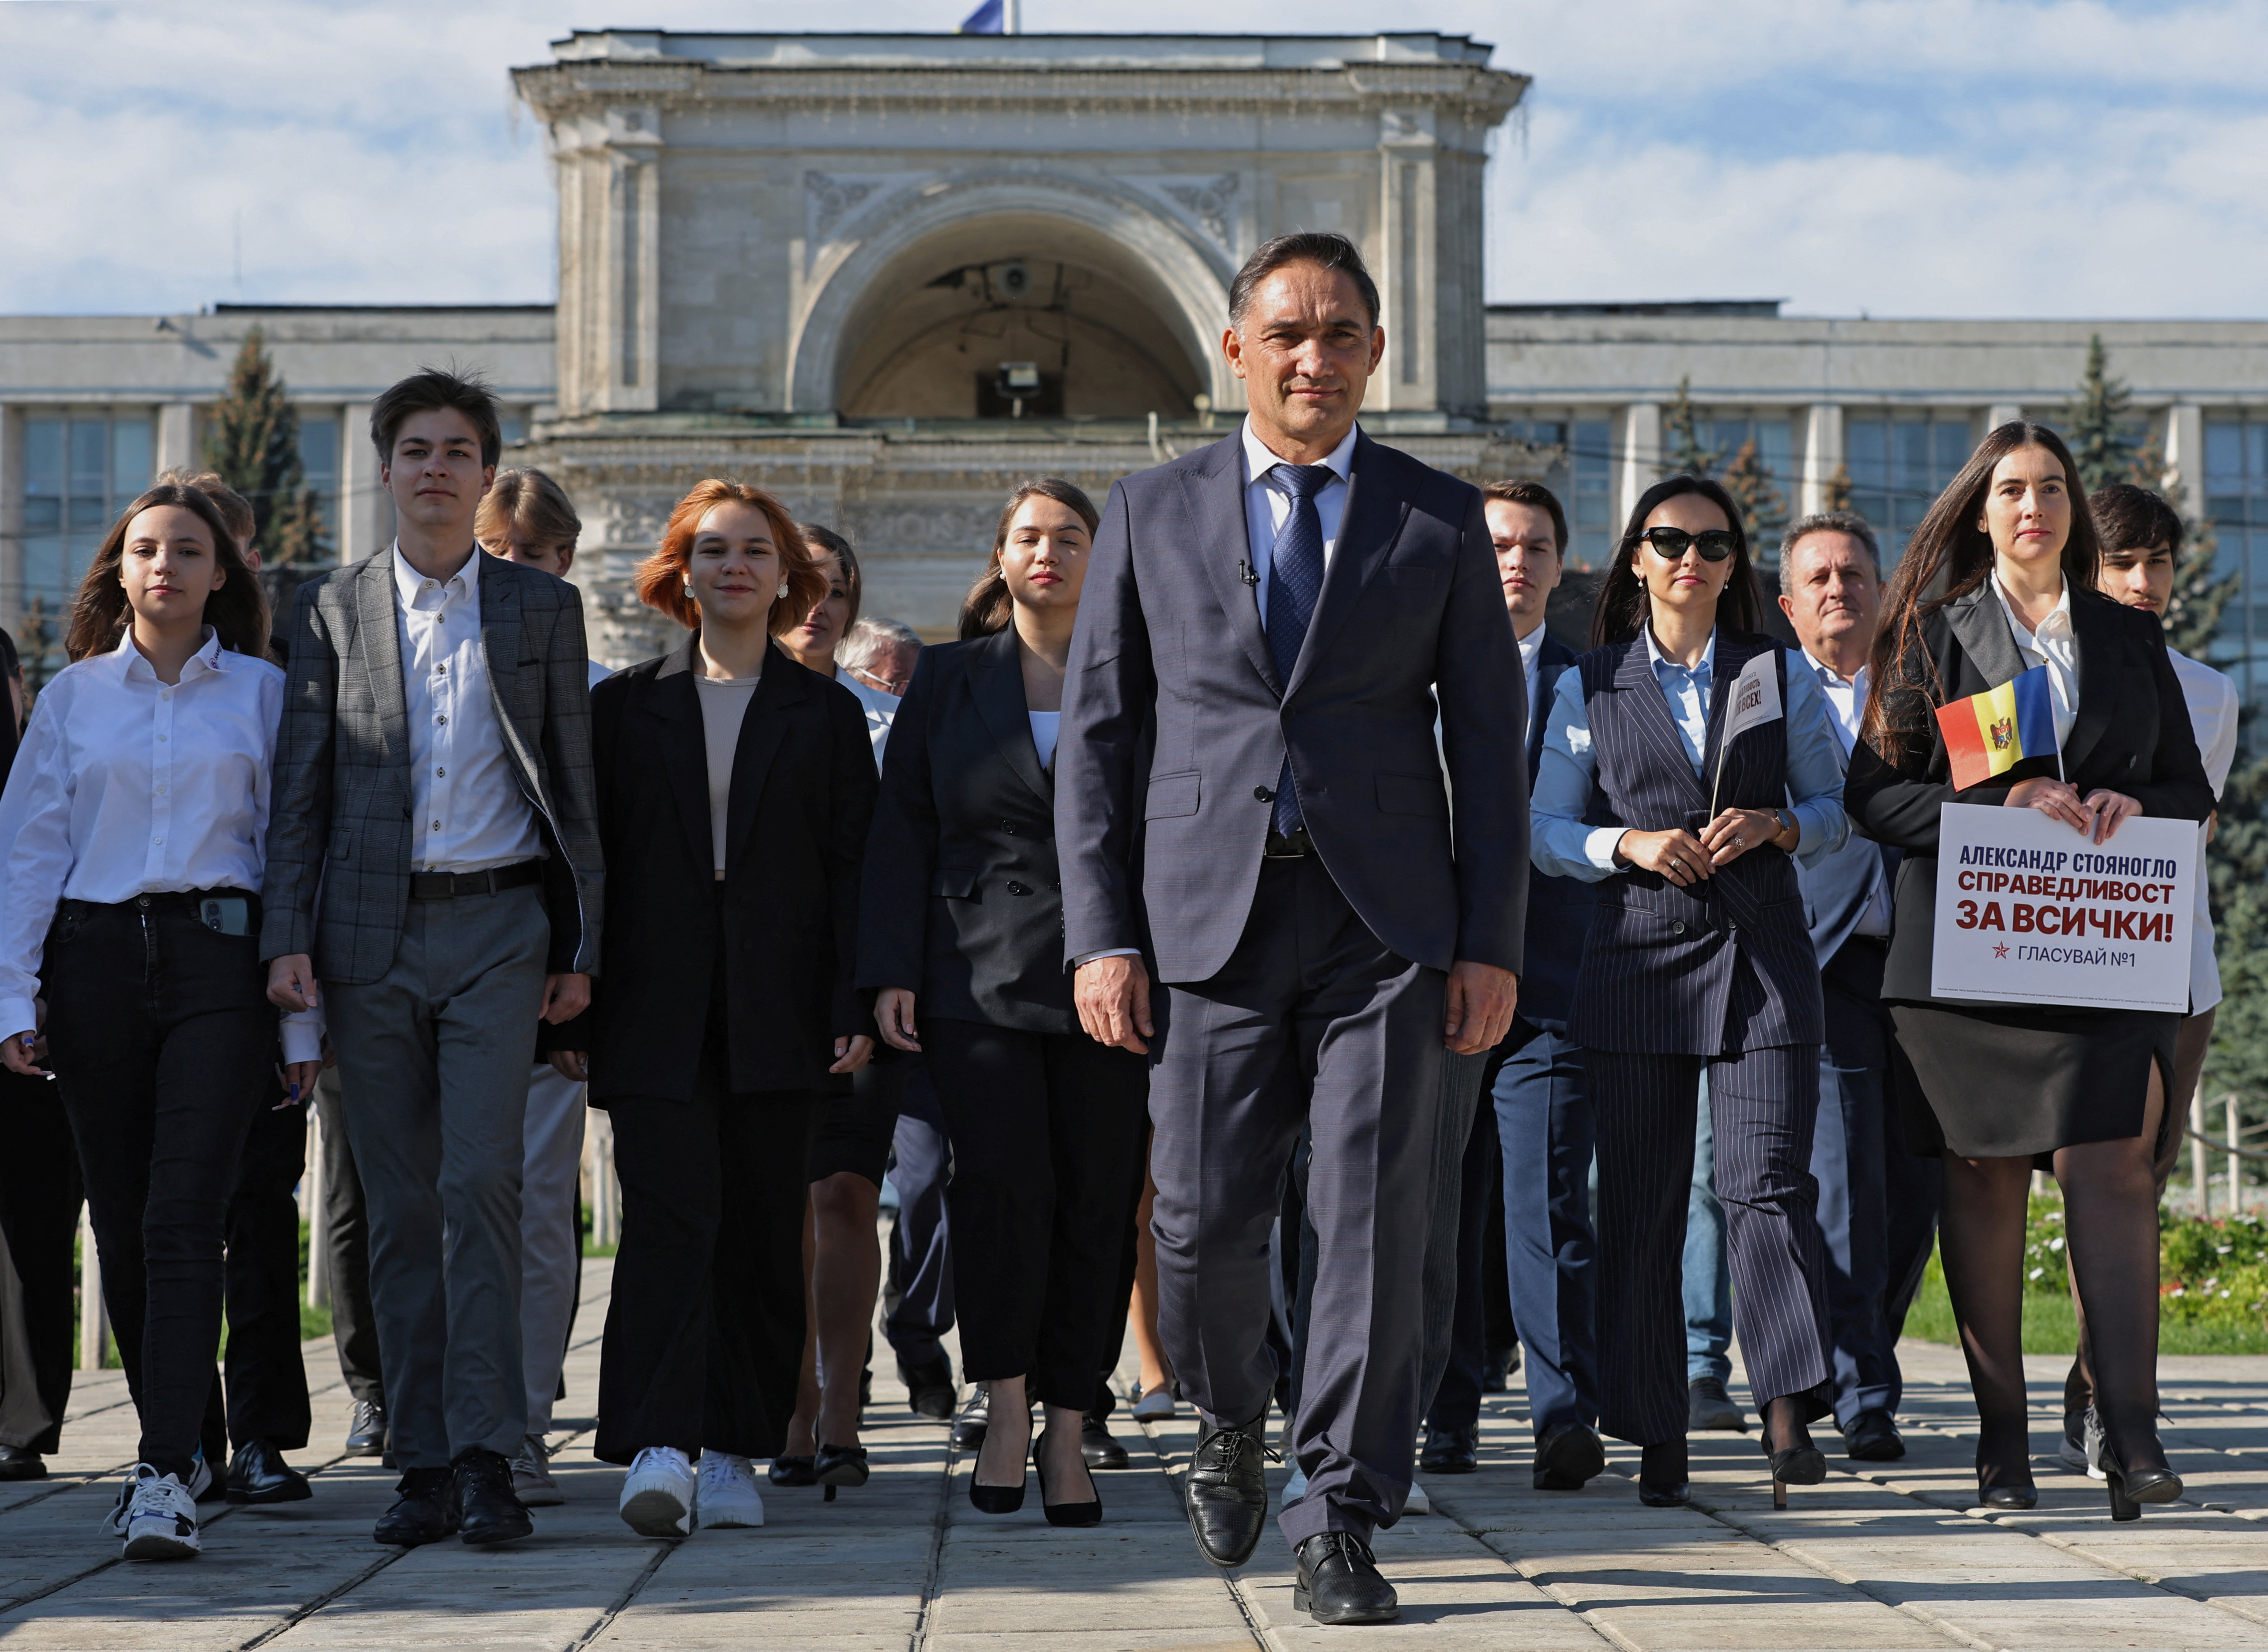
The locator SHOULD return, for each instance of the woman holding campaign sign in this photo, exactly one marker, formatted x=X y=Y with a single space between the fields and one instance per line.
x=2003 y=678
x=1669 y=754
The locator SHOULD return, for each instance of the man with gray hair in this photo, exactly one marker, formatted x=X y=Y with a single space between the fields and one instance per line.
x=1831 y=592
x=877 y=655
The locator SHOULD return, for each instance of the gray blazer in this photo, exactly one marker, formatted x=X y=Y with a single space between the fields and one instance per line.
x=339 y=840
x=1175 y=726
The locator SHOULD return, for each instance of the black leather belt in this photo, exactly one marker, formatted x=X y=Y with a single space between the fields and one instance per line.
x=1293 y=845
x=447 y=886
x=189 y=901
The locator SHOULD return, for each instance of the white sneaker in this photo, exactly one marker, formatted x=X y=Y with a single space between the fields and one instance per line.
x=530 y=1475
x=161 y=1517
x=659 y=1493
x=113 y=1520
x=1416 y=1502
x=1156 y=1405
x=728 y=1495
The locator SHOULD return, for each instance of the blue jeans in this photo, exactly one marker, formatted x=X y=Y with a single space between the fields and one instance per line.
x=1708 y=1274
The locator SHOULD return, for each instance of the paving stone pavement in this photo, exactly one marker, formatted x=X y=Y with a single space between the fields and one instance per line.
x=1882 y=1556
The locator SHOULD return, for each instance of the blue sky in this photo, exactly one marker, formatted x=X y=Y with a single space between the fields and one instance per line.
x=1986 y=158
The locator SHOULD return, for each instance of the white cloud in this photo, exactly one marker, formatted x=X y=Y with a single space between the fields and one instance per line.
x=1922 y=156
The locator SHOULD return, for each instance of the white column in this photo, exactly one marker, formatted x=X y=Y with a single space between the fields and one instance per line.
x=365 y=514
x=1639 y=438
x=177 y=436
x=1823 y=454
x=2184 y=478
x=11 y=520
x=2002 y=413
x=93 y=1316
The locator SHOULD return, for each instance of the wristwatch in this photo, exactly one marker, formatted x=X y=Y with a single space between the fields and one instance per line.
x=1789 y=825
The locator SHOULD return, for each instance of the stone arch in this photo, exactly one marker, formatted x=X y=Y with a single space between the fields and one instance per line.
x=1132 y=241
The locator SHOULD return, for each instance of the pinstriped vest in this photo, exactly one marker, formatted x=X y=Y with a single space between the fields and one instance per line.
x=1727 y=965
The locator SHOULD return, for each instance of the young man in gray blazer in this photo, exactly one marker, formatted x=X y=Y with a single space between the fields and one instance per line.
x=433 y=864
x=1249 y=798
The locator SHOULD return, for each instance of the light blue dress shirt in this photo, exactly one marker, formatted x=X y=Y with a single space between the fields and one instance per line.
x=1561 y=846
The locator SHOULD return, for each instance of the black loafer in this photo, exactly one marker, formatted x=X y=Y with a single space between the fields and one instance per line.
x=976 y=1416
x=1451 y=1451
x=1568 y=1456
x=17 y=1464
x=258 y=1474
x=1228 y=1491
x=1097 y=1447
x=1338 y=1581
x=929 y=1391
x=426 y=1509
x=1874 y=1438
x=491 y=1514
x=366 y=1433
x=1662 y=1475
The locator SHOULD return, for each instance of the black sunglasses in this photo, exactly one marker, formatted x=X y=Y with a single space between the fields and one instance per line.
x=1670 y=543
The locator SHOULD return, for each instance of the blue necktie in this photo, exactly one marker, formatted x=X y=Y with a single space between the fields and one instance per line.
x=1295 y=580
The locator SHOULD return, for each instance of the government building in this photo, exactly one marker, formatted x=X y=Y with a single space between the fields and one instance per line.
x=886 y=276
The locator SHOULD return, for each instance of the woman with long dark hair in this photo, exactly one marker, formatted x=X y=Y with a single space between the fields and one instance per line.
x=962 y=921
x=2000 y=578
x=134 y=822
x=735 y=792
x=1670 y=750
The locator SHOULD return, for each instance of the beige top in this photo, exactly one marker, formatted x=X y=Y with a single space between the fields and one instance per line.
x=723 y=707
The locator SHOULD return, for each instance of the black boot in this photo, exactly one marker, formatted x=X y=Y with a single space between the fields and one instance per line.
x=1662 y=1476
x=491 y=1514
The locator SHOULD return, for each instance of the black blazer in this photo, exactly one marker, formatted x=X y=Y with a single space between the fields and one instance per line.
x=961 y=902
x=2132 y=735
x=803 y=794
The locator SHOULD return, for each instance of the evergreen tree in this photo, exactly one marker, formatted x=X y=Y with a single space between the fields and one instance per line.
x=2200 y=592
x=254 y=448
x=1839 y=489
x=1763 y=508
x=2094 y=424
x=1682 y=453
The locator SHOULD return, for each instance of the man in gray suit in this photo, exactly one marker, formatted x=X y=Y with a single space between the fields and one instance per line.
x=433 y=862
x=1249 y=798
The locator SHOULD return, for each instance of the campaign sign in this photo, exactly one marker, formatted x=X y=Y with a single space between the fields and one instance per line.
x=2031 y=911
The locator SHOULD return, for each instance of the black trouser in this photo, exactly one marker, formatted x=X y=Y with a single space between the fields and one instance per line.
x=704 y=1332
x=267 y=1384
x=39 y=1214
x=1047 y=1171
x=345 y=1228
x=164 y=1043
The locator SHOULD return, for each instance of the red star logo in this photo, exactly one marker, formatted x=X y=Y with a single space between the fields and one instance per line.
x=2001 y=950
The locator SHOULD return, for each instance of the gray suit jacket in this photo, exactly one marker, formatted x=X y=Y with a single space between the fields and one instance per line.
x=1175 y=727
x=339 y=838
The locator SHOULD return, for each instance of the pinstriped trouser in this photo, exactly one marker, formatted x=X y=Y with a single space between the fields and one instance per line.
x=1762 y=1103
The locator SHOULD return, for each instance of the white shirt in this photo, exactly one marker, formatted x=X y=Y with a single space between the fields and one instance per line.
x=126 y=786
x=2054 y=646
x=1268 y=504
x=1847 y=704
x=469 y=813
x=2212 y=700
x=881 y=709
x=1531 y=662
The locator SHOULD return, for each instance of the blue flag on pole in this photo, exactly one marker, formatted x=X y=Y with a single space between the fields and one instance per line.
x=992 y=18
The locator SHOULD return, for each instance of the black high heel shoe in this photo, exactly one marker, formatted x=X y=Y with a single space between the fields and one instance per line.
x=2003 y=1469
x=1662 y=1476
x=794 y=1471
x=840 y=1465
x=1088 y=1513
x=997 y=1500
x=2130 y=1488
x=1798 y=1463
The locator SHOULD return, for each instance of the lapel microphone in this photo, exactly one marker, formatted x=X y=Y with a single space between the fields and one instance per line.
x=1244 y=573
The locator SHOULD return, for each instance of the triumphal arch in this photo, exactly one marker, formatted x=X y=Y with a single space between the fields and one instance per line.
x=888 y=275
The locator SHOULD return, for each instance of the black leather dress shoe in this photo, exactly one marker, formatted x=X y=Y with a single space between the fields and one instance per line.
x=1568 y=1456
x=929 y=1388
x=1451 y=1451
x=977 y=1416
x=17 y=1464
x=1096 y=1446
x=1662 y=1475
x=491 y=1513
x=366 y=1433
x=424 y=1510
x=1228 y=1491
x=258 y=1474
x=1874 y=1438
x=1338 y=1581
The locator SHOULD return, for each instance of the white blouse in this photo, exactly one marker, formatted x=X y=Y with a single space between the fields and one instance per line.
x=126 y=786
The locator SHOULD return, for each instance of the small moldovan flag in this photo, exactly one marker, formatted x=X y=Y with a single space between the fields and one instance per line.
x=1755 y=700
x=988 y=19
x=1990 y=733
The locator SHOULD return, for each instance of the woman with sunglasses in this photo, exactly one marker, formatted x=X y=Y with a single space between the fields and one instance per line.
x=1698 y=966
